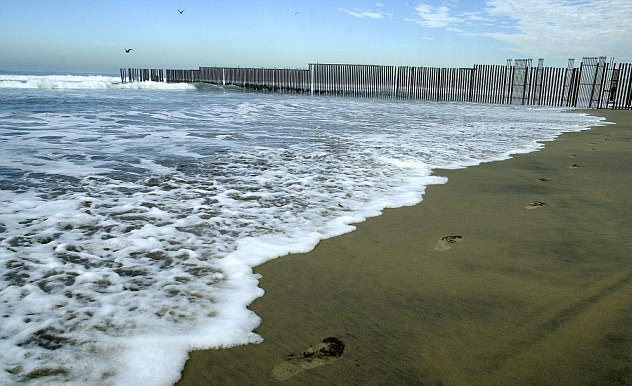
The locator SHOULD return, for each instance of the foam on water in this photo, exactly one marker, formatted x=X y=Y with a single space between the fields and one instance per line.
x=130 y=221
x=82 y=82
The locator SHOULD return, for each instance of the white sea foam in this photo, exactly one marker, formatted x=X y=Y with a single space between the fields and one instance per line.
x=130 y=222
x=83 y=82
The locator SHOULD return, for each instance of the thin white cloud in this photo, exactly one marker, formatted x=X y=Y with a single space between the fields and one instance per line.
x=549 y=28
x=474 y=16
x=565 y=27
x=362 y=14
x=434 y=17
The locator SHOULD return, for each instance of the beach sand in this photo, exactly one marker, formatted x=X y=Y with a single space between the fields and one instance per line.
x=516 y=272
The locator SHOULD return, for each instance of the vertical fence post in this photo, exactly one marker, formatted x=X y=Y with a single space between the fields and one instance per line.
x=311 y=79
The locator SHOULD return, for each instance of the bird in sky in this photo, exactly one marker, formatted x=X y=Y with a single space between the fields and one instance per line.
x=181 y=11
x=127 y=50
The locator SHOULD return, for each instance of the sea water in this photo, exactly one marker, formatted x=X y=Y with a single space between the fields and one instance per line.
x=132 y=215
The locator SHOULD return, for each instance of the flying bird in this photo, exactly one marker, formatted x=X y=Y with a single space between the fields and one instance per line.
x=181 y=11
x=127 y=50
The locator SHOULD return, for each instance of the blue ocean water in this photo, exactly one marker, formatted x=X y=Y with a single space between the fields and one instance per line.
x=132 y=215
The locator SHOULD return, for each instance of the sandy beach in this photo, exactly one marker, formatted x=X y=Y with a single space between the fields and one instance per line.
x=516 y=272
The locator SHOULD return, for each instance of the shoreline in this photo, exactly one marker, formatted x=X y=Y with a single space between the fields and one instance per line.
x=514 y=272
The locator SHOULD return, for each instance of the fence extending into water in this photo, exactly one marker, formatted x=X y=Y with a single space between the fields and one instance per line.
x=596 y=83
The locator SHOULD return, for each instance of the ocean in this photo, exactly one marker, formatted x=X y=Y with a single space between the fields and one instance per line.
x=132 y=215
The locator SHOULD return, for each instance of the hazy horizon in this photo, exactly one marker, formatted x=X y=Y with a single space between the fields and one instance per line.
x=90 y=36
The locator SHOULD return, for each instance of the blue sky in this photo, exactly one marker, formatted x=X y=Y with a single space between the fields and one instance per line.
x=91 y=35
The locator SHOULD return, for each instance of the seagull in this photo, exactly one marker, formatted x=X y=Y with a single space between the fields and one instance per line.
x=127 y=50
x=181 y=11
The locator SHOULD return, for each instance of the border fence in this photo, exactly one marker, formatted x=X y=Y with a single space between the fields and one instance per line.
x=596 y=83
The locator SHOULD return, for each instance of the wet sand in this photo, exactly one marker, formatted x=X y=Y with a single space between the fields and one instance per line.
x=531 y=286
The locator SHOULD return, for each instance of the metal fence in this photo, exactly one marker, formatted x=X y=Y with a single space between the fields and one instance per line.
x=594 y=84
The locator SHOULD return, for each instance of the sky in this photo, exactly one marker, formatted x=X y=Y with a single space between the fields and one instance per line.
x=91 y=35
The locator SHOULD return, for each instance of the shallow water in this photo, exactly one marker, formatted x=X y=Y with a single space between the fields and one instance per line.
x=131 y=215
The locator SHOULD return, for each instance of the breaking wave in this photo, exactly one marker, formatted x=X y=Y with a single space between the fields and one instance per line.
x=83 y=82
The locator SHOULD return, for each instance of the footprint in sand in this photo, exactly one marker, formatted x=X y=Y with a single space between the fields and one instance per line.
x=536 y=204
x=446 y=242
x=327 y=351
